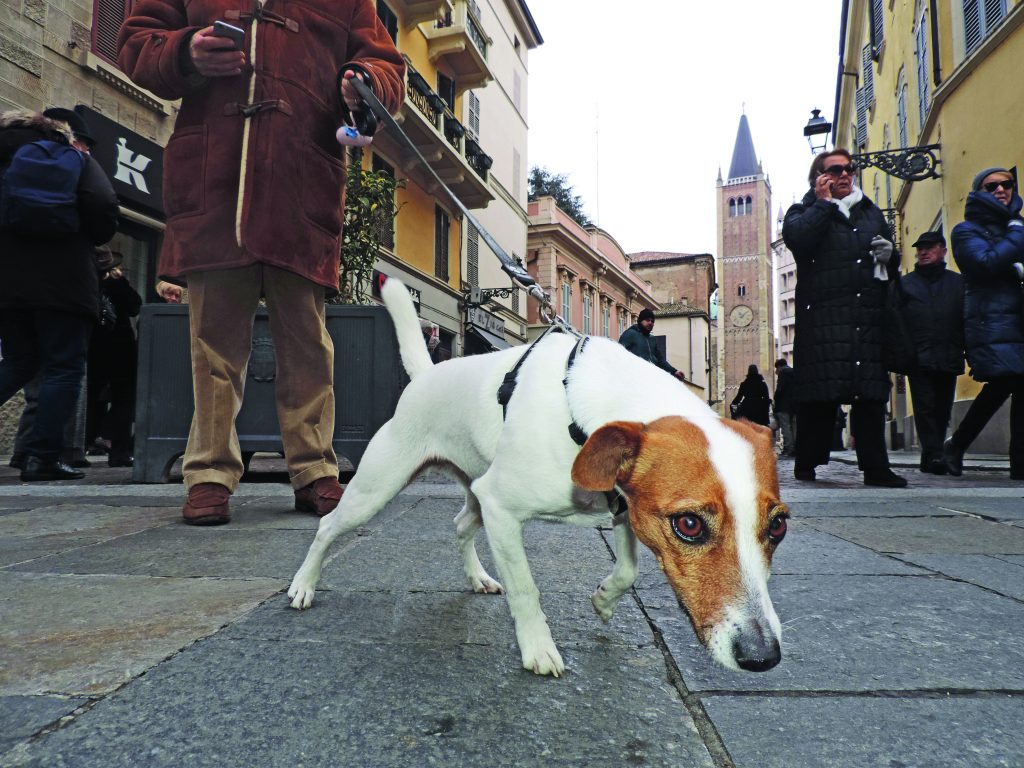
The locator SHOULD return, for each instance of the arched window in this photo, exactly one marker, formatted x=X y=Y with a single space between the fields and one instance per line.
x=750 y=206
x=741 y=290
x=732 y=207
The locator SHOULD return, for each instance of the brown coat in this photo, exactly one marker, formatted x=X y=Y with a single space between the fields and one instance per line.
x=268 y=188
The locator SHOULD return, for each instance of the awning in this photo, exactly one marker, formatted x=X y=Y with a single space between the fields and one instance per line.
x=494 y=341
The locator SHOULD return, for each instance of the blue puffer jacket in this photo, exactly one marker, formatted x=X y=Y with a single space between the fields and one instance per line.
x=985 y=248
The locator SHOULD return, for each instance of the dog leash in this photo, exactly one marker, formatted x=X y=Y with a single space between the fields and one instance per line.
x=510 y=266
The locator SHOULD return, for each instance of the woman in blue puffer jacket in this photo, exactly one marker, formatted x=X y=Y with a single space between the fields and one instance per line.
x=988 y=247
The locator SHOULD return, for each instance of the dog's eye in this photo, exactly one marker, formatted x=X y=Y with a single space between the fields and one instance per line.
x=690 y=528
x=777 y=529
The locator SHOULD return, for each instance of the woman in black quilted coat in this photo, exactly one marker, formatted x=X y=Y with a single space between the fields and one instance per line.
x=988 y=247
x=845 y=258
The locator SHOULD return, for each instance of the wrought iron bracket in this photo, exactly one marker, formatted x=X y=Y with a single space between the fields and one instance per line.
x=906 y=163
x=486 y=294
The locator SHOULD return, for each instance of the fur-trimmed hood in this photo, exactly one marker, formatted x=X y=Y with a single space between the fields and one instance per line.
x=53 y=129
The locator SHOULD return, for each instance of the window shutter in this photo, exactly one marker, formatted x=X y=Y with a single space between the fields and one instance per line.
x=877 y=25
x=995 y=10
x=109 y=14
x=922 y=71
x=862 y=119
x=472 y=254
x=972 y=24
x=868 y=76
x=474 y=114
x=441 y=228
x=901 y=114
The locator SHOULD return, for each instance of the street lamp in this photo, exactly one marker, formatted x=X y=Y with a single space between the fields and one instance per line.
x=816 y=131
x=906 y=163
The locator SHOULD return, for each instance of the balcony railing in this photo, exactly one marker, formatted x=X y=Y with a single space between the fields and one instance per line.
x=444 y=121
x=460 y=40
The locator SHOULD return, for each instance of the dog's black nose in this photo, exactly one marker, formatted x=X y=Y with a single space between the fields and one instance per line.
x=756 y=653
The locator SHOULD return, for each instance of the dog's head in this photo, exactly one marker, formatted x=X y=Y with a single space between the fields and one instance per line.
x=706 y=503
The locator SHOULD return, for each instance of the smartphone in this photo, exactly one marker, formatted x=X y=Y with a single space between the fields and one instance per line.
x=235 y=34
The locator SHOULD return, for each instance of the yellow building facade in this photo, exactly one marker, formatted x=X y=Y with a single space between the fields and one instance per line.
x=924 y=72
x=459 y=52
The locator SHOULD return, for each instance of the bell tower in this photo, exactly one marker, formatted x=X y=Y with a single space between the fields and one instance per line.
x=746 y=321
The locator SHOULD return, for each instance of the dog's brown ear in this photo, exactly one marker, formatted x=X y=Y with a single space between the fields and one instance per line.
x=608 y=456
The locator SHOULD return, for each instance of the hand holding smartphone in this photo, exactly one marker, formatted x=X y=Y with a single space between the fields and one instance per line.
x=230 y=32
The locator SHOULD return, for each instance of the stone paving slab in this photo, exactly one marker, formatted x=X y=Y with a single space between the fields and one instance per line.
x=996 y=573
x=475 y=619
x=868 y=633
x=937 y=535
x=183 y=551
x=875 y=732
x=869 y=508
x=274 y=704
x=87 y=635
x=23 y=716
x=996 y=509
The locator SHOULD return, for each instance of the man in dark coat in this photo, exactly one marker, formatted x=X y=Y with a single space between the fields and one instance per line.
x=253 y=190
x=637 y=339
x=752 y=401
x=988 y=247
x=932 y=299
x=786 y=405
x=844 y=257
x=50 y=299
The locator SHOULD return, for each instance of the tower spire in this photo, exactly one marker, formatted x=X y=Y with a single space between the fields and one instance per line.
x=744 y=158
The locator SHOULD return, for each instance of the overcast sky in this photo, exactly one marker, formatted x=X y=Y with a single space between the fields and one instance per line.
x=639 y=104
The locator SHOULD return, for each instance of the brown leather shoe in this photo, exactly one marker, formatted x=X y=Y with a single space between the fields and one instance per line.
x=207 y=504
x=319 y=497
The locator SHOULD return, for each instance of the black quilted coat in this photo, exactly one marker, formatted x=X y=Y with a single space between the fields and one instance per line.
x=839 y=303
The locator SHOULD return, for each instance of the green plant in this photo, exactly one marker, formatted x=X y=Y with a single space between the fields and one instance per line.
x=370 y=212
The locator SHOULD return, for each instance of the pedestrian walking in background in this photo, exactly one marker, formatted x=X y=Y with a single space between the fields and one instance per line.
x=113 y=358
x=73 y=444
x=253 y=188
x=844 y=259
x=988 y=247
x=752 y=401
x=49 y=290
x=784 y=406
x=637 y=339
x=932 y=304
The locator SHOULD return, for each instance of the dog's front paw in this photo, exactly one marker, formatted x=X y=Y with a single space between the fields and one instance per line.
x=486 y=585
x=604 y=604
x=540 y=655
x=301 y=593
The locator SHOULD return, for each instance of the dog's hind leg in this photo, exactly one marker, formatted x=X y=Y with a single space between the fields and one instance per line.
x=467 y=523
x=624 y=572
x=386 y=468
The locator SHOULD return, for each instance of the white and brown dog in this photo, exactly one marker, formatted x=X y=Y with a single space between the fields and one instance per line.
x=702 y=491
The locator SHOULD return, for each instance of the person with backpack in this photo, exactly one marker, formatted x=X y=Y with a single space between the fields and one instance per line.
x=56 y=205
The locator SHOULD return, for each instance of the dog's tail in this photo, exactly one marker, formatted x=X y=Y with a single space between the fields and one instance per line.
x=415 y=357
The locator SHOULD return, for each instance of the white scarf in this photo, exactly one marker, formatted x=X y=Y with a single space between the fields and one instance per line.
x=849 y=201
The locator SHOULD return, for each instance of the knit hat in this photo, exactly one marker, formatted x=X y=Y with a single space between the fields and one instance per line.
x=752 y=370
x=645 y=314
x=976 y=184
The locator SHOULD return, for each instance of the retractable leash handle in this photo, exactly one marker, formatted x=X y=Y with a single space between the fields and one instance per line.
x=510 y=266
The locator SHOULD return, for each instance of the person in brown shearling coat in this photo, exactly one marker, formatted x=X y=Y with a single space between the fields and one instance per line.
x=254 y=192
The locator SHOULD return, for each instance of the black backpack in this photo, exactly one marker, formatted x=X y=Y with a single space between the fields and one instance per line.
x=39 y=189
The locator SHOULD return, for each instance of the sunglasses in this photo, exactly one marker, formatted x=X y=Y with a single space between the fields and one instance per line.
x=838 y=170
x=1006 y=184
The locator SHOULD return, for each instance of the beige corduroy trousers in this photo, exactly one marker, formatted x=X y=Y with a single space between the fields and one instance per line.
x=222 y=305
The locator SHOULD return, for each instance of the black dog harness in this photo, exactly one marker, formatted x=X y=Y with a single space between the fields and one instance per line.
x=508 y=385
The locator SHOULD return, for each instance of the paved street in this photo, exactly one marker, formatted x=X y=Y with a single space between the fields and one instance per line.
x=130 y=639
